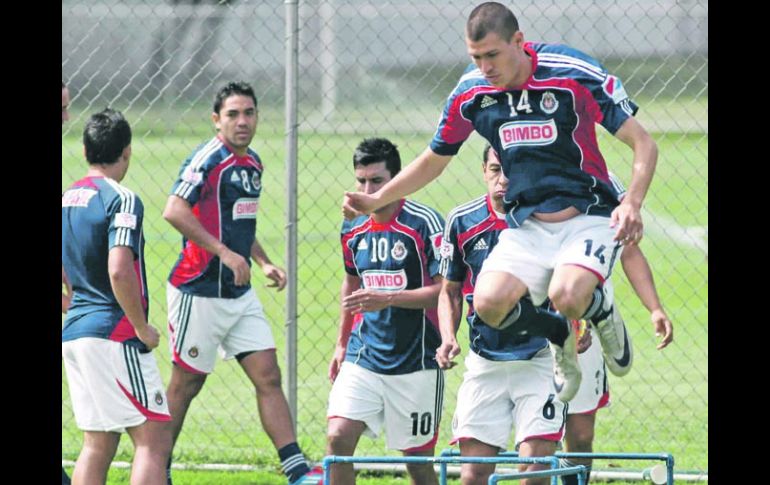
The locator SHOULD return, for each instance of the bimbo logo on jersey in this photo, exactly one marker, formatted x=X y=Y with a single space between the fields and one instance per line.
x=384 y=280
x=77 y=197
x=527 y=133
x=245 y=209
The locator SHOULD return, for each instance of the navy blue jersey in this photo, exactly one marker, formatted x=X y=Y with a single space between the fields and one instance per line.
x=97 y=214
x=401 y=254
x=543 y=131
x=471 y=231
x=223 y=190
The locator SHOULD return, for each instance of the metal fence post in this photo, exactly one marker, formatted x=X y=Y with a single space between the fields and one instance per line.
x=291 y=203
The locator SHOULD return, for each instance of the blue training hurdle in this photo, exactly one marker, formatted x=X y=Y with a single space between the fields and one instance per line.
x=580 y=470
x=442 y=460
x=665 y=457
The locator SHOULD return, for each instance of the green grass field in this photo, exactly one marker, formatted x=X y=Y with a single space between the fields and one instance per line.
x=662 y=405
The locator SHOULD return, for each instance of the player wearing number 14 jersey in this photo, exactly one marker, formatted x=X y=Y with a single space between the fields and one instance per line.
x=538 y=105
x=384 y=372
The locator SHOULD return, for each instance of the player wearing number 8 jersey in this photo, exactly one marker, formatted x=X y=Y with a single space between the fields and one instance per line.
x=383 y=369
x=211 y=306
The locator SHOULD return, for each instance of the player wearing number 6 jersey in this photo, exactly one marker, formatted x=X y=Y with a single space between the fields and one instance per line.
x=383 y=370
x=509 y=381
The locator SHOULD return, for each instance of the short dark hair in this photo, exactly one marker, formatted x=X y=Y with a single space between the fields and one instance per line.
x=485 y=155
x=105 y=136
x=238 y=87
x=375 y=150
x=491 y=17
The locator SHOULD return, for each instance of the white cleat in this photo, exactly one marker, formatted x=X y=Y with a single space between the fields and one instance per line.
x=566 y=370
x=616 y=344
x=613 y=335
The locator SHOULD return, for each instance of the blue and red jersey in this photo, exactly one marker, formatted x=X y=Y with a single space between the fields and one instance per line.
x=223 y=190
x=401 y=254
x=471 y=231
x=543 y=131
x=98 y=214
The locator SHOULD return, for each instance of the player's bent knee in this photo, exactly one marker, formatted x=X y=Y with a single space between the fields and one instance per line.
x=269 y=381
x=569 y=303
x=490 y=310
x=342 y=437
x=266 y=378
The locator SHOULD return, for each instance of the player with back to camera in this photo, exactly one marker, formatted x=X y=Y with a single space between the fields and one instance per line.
x=107 y=343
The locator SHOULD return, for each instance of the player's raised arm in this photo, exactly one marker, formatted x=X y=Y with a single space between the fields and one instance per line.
x=423 y=170
x=627 y=216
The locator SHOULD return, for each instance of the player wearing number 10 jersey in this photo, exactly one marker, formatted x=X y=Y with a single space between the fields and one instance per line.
x=383 y=368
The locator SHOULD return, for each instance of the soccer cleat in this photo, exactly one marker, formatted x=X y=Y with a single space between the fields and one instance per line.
x=314 y=477
x=612 y=333
x=566 y=370
x=616 y=344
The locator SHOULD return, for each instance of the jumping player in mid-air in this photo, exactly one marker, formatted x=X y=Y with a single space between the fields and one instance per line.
x=537 y=105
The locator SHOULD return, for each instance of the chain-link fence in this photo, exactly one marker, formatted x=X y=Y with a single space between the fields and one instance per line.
x=385 y=69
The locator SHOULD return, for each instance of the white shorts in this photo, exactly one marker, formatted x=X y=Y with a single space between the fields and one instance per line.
x=532 y=251
x=497 y=396
x=594 y=391
x=112 y=386
x=408 y=405
x=198 y=326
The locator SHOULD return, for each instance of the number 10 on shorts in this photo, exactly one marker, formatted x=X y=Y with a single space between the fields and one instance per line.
x=421 y=423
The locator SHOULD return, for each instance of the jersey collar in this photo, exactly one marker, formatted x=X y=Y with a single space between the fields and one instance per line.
x=379 y=226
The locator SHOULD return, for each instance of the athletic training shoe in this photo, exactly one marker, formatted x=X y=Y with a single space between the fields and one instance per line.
x=616 y=344
x=566 y=370
x=612 y=333
x=314 y=477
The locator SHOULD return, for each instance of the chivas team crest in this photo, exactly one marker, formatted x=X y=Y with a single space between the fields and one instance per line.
x=549 y=103
x=399 y=251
